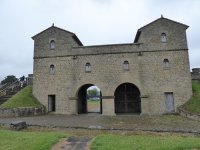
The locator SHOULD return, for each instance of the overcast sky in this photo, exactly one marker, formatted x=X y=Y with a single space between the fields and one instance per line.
x=94 y=22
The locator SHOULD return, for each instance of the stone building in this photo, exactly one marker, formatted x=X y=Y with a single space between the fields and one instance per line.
x=149 y=76
x=195 y=74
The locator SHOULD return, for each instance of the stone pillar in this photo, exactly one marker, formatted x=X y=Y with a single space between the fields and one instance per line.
x=108 y=106
x=144 y=105
x=73 y=105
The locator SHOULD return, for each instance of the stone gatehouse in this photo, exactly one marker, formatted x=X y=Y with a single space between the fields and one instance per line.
x=149 y=76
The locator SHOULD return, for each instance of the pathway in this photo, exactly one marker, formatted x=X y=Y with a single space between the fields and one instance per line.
x=73 y=143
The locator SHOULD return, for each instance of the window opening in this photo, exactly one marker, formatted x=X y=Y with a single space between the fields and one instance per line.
x=52 y=70
x=163 y=37
x=52 y=44
x=88 y=67
x=166 y=64
x=126 y=65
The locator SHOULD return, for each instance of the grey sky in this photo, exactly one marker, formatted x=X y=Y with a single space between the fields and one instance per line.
x=93 y=21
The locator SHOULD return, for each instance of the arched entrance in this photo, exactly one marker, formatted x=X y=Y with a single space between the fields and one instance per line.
x=84 y=100
x=127 y=99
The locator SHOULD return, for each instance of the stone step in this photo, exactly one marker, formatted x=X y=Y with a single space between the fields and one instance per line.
x=12 y=93
x=4 y=99
x=9 y=94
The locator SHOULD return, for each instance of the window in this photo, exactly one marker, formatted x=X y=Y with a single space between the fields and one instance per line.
x=163 y=37
x=126 y=65
x=52 y=70
x=52 y=44
x=88 y=67
x=166 y=64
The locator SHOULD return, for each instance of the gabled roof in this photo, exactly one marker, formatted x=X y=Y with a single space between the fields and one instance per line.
x=159 y=19
x=73 y=34
x=162 y=18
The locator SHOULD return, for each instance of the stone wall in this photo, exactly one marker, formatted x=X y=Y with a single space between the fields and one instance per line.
x=146 y=72
x=21 y=112
x=195 y=74
x=191 y=115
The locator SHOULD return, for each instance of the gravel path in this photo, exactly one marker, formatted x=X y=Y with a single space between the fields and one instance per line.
x=174 y=123
x=73 y=143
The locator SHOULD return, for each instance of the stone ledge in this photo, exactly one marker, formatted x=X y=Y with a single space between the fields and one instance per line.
x=191 y=115
x=20 y=112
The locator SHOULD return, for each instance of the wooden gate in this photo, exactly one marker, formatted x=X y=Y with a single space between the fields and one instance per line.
x=127 y=99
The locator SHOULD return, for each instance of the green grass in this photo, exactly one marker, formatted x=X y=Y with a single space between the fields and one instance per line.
x=193 y=105
x=144 y=142
x=18 y=140
x=24 y=98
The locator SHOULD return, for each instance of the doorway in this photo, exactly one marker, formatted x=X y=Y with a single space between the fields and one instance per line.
x=89 y=99
x=169 y=102
x=51 y=103
x=127 y=99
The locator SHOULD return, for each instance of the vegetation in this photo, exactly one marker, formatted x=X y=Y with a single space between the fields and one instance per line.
x=93 y=91
x=24 y=98
x=144 y=142
x=15 y=140
x=9 y=79
x=193 y=105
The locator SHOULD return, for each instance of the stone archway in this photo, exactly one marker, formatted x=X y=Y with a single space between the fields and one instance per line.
x=127 y=99
x=82 y=100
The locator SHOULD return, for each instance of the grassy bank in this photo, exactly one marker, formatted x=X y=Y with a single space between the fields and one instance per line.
x=15 y=140
x=193 y=105
x=147 y=142
x=24 y=98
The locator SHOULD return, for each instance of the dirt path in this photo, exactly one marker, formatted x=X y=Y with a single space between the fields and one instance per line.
x=73 y=143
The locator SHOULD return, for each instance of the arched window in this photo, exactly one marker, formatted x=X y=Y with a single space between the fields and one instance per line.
x=52 y=70
x=166 y=64
x=163 y=37
x=87 y=67
x=52 y=44
x=126 y=65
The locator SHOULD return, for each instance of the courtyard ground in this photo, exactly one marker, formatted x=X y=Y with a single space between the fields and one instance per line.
x=173 y=123
x=84 y=128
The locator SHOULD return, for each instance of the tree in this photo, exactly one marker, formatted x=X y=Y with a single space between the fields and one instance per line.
x=93 y=92
x=9 y=79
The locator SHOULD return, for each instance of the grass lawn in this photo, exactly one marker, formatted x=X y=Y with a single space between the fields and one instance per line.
x=23 y=98
x=93 y=105
x=193 y=105
x=145 y=142
x=18 y=140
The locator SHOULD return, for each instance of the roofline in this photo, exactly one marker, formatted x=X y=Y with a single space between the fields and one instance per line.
x=73 y=34
x=105 y=53
x=163 y=18
x=51 y=27
x=122 y=44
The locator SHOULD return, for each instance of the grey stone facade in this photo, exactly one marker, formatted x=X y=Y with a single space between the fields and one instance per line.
x=158 y=67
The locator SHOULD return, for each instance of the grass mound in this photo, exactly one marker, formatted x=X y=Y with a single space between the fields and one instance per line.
x=23 y=98
x=193 y=105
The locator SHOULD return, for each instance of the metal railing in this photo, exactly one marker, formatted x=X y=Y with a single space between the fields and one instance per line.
x=4 y=89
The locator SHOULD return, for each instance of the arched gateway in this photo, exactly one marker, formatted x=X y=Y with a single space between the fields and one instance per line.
x=83 y=99
x=60 y=58
x=127 y=99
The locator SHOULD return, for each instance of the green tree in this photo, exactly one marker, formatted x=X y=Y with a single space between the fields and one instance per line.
x=93 y=92
x=9 y=79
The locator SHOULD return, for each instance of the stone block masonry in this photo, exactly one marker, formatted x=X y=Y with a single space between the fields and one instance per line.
x=149 y=76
